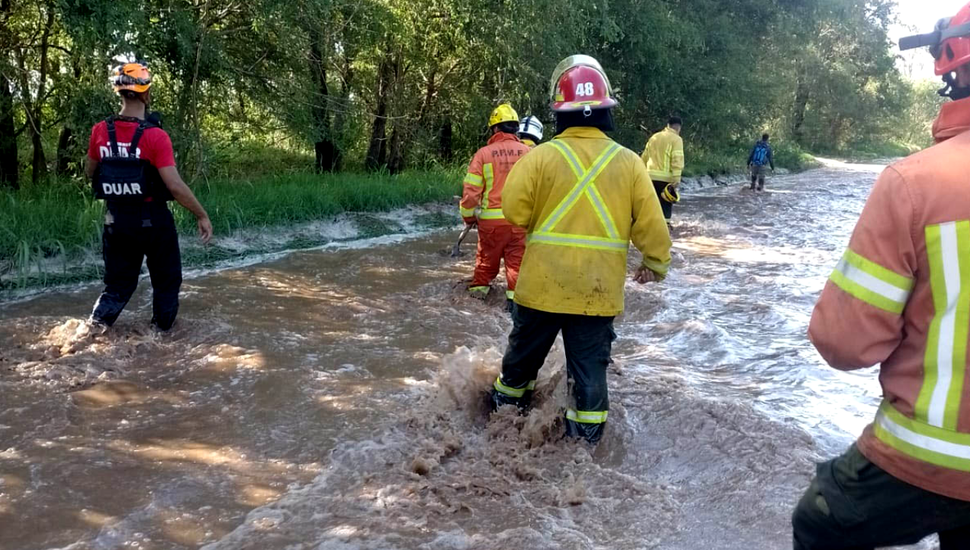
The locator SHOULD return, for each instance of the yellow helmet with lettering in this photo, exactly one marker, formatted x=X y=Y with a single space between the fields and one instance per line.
x=503 y=113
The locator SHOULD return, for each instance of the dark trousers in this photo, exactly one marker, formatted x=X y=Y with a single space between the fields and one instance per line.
x=124 y=247
x=667 y=207
x=852 y=504
x=758 y=175
x=588 y=343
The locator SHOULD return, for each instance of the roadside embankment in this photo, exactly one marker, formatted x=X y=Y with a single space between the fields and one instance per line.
x=50 y=233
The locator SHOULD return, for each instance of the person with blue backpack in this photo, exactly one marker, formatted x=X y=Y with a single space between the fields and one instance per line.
x=759 y=158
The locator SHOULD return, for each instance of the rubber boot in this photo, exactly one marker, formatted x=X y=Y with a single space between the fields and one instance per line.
x=479 y=292
x=592 y=433
x=496 y=400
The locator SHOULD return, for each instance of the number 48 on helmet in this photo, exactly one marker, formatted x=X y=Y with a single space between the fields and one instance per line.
x=579 y=83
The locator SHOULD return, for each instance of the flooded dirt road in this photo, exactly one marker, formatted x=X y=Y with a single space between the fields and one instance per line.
x=331 y=399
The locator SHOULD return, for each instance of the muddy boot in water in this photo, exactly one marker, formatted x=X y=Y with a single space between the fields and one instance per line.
x=497 y=400
x=592 y=433
x=478 y=292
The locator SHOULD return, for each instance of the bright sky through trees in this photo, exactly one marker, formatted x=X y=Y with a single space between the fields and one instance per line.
x=919 y=16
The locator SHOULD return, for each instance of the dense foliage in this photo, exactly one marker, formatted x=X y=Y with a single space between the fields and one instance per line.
x=408 y=83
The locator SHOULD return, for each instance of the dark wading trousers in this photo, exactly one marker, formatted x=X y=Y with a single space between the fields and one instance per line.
x=588 y=342
x=667 y=207
x=124 y=247
x=852 y=504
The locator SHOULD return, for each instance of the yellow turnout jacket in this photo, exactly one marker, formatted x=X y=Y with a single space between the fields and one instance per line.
x=664 y=156
x=582 y=197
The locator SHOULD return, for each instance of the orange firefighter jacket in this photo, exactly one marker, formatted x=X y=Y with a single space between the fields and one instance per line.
x=486 y=176
x=900 y=297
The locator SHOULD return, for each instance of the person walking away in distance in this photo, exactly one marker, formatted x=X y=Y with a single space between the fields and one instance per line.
x=664 y=157
x=132 y=166
x=530 y=131
x=900 y=297
x=582 y=197
x=483 y=185
x=761 y=156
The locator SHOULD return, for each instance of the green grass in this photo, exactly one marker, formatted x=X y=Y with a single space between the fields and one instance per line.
x=734 y=160
x=45 y=229
x=871 y=151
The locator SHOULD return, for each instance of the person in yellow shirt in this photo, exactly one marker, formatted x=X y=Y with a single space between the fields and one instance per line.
x=581 y=198
x=664 y=157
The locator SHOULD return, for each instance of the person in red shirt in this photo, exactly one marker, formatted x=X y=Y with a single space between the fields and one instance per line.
x=481 y=204
x=140 y=224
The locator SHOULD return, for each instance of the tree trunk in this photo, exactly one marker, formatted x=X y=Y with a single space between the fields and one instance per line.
x=445 y=147
x=798 y=111
x=9 y=164
x=36 y=125
x=64 y=143
x=327 y=152
x=377 y=151
x=9 y=169
x=346 y=88
x=395 y=156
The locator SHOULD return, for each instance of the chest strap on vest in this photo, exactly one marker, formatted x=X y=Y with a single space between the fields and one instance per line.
x=113 y=137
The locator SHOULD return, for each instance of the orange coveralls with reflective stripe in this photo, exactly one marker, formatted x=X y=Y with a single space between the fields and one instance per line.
x=497 y=238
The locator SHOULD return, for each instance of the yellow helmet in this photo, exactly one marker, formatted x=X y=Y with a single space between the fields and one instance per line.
x=131 y=76
x=503 y=113
x=670 y=194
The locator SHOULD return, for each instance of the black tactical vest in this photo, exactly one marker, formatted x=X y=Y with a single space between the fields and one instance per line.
x=124 y=178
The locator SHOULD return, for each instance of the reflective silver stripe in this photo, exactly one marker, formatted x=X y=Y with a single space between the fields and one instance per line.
x=921 y=441
x=580 y=186
x=940 y=399
x=510 y=391
x=580 y=241
x=872 y=283
x=586 y=417
x=492 y=214
x=570 y=155
x=604 y=213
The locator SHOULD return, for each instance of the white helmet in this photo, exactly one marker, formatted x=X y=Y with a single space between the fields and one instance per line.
x=531 y=127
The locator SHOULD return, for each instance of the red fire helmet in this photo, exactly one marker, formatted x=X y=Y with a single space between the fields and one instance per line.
x=954 y=50
x=578 y=83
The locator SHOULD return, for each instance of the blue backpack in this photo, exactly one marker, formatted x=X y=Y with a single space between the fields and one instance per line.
x=760 y=155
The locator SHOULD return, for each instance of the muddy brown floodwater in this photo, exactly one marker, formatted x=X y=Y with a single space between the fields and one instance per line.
x=332 y=399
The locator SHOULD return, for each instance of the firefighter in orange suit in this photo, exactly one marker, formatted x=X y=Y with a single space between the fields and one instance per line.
x=900 y=299
x=481 y=204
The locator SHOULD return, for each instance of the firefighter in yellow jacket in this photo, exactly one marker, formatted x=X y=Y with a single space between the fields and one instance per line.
x=664 y=157
x=582 y=198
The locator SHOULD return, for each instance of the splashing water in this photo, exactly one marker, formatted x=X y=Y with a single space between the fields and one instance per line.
x=334 y=399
